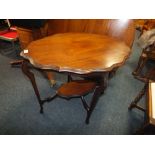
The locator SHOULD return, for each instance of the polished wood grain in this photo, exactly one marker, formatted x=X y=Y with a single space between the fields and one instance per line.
x=76 y=88
x=122 y=29
x=77 y=52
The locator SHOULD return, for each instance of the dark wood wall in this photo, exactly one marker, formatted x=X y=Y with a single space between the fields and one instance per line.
x=121 y=29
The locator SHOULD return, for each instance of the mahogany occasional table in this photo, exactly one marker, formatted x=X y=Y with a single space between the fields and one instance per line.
x=86 y=55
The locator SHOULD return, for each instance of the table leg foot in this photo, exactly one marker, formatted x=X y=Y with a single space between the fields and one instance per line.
x=41 y=110
x=87 y=121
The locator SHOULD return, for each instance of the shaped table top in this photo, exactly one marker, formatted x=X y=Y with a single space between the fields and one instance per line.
x=80 y=53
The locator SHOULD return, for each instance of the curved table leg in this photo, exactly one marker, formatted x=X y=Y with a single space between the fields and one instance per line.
x=30 y=75
x=93 y=103
x=97 y=93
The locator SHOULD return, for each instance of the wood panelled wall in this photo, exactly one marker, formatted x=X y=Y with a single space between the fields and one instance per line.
x=121 y=29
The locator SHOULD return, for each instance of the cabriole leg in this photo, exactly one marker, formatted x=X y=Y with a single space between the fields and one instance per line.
x=97 y=93
x=30 y=75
